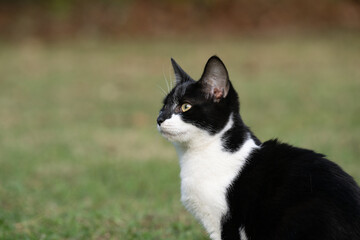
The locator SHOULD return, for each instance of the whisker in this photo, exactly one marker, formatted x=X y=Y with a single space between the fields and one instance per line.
x=167 y=84
x=162 y=90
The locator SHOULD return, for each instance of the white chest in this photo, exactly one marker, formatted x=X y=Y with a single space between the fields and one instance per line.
x=205 y=178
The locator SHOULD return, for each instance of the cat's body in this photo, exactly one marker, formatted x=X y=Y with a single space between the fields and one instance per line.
x=240 y=188
x=285 y=192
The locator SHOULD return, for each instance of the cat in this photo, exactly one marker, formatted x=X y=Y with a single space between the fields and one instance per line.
x=241 y=188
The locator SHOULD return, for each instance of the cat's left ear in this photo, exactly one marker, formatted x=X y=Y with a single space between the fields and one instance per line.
x=180 y=75
x=215 y=79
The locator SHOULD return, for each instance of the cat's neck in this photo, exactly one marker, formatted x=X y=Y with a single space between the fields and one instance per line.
x=235 y=137
x=230 y=139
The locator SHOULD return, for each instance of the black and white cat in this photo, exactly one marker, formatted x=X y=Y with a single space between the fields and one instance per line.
x=240 y=188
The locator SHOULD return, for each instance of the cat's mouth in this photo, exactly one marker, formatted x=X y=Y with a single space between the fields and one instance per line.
x=167 y=133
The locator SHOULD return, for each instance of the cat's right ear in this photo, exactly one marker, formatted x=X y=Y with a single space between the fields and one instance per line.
x=180 y=75
x=215 y=79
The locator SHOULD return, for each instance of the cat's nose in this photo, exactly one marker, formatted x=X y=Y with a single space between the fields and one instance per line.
x=160 y=119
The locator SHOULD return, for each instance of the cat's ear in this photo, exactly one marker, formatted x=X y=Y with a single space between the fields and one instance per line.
x=215 y=79
x=180 y=75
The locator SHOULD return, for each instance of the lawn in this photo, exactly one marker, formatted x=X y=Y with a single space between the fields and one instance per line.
x=80 y=156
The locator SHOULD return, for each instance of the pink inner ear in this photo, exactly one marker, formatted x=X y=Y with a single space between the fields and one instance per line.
x=218 y=93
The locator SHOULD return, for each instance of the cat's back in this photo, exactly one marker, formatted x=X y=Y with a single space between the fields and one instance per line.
x=310 y=172
x=286 y=186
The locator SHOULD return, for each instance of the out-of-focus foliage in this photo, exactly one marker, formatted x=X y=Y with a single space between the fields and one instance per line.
x=59 y=19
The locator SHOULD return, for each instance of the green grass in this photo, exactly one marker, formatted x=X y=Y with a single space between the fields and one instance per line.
x=80 y=157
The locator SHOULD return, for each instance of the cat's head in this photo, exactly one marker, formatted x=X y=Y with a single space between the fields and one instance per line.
x=198 y=108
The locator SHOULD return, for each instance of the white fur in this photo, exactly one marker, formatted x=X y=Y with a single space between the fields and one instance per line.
x=243 y=234
x=206 y=169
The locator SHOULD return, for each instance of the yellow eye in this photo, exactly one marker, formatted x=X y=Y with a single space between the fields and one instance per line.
x=185 y=107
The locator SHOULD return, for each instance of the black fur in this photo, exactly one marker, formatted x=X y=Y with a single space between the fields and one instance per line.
x=284 y=192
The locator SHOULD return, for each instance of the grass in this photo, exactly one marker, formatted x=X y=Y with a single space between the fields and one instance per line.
x=80 y=155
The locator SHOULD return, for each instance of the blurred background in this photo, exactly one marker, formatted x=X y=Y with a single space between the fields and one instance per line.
x=80 y=90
